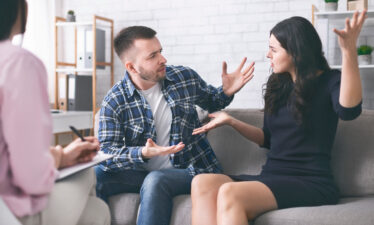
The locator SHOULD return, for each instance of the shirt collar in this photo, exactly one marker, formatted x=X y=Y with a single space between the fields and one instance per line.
x=128 y=85
x=169 y=74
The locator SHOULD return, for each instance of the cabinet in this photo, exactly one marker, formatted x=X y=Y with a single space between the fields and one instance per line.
x=61 y=67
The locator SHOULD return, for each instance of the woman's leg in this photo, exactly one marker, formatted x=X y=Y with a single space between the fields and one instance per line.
x=239 y=202
x=204 y=197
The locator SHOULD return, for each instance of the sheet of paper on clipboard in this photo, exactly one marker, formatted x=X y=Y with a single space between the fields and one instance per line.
x=100 y=157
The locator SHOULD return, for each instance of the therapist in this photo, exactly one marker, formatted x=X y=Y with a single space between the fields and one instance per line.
x=28 y=166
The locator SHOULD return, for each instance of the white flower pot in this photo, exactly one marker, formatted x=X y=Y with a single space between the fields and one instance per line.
x=364 y=59
x=331 y=6
x=70 y=18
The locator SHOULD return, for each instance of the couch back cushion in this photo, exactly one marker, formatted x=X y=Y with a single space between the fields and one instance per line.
x=237 y=154
x=352 y=154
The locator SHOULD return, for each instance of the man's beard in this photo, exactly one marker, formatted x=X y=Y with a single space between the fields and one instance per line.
x=150 y=76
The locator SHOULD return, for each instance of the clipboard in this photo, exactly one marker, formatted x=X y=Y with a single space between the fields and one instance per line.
x=100 y=157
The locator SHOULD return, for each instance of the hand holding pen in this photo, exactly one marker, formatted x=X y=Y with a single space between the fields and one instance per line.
x=82 y=149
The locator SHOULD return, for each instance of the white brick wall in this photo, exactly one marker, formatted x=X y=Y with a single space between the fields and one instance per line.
x=203 y=33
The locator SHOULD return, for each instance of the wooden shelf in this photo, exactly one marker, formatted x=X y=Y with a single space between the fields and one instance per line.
x=371 y=66
x=82 y=24
x=340 y=14
x=73 y=70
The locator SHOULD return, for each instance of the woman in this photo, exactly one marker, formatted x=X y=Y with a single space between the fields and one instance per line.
x=303 y=100
x=28 y=167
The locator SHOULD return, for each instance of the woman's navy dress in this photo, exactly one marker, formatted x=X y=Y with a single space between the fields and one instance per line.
x=297 y=169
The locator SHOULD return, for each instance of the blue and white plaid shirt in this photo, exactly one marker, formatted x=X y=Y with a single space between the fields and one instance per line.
x=126 y=122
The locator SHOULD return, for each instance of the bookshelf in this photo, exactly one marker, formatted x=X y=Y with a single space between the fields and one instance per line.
x=61 y=67
x=325 y=35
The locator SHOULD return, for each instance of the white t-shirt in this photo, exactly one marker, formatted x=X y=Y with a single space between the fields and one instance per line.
x=162 y=119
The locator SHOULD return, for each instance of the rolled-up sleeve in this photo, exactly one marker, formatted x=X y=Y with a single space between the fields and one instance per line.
x=267 y=135
x=344 y=113
x=112 y=140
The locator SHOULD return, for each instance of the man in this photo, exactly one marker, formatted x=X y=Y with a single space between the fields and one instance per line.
x=147 y=119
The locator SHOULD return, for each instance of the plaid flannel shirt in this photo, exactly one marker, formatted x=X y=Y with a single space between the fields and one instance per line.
x=126 y=122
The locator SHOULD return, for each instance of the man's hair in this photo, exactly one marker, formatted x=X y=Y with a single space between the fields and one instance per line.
x=9 y=10
x=126 y=37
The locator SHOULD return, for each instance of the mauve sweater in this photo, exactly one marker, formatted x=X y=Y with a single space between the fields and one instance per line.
x=27 y=172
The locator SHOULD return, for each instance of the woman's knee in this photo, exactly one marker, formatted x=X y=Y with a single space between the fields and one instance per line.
x=229 y=200
x=204 y=184
x=227 y=195
x=199 y=185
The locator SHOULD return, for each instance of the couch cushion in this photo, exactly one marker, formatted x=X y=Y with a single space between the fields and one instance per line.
x=181 y=210
x=124 y=208
x=236 y=154
x=353 y=156
x=358 y=211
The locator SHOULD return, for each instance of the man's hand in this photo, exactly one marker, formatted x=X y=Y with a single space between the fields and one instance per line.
x=151 y=149
x=233 y=82
x=79 y=151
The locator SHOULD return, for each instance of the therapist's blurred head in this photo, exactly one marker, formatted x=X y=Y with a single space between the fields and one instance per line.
x=13 y=15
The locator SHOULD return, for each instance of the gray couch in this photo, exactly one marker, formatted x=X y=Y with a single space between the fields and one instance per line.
x=352 y=163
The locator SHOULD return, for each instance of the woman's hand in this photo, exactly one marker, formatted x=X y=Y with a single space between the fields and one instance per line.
x=218 y=119
x=350 y=85
x=233 y=82
x=349 y=35
x=78 y=151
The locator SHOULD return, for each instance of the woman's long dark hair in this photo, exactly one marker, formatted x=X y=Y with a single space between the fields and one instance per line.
x=301 y=41
x=9 y=10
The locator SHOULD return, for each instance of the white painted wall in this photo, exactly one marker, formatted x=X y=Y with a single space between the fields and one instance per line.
x=203 y=33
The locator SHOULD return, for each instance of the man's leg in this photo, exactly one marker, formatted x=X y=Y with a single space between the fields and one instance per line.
x=157 y=193
x=112 y=183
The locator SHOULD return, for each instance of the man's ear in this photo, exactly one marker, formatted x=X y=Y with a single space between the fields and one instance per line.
x=130 y=67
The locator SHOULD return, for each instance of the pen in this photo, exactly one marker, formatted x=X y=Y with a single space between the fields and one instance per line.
x=77 y=133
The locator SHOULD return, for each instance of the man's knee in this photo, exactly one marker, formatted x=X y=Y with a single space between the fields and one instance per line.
x=100 y=174
x=155 y=181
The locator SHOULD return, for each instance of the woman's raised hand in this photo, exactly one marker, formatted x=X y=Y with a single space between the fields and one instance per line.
x=349 y=35
x=218 y=119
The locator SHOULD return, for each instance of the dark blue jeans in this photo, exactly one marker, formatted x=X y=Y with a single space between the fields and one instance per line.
x=157 y=190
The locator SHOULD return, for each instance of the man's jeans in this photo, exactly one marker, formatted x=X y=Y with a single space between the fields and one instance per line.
x=157 y=190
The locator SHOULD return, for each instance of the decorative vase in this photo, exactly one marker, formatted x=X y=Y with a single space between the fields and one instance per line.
x=331 y=6
x=70 y=18
x=364 y=59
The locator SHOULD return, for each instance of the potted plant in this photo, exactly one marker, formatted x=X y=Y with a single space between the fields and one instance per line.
x=70 y=17
x=331 y=5
x=364 y=54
